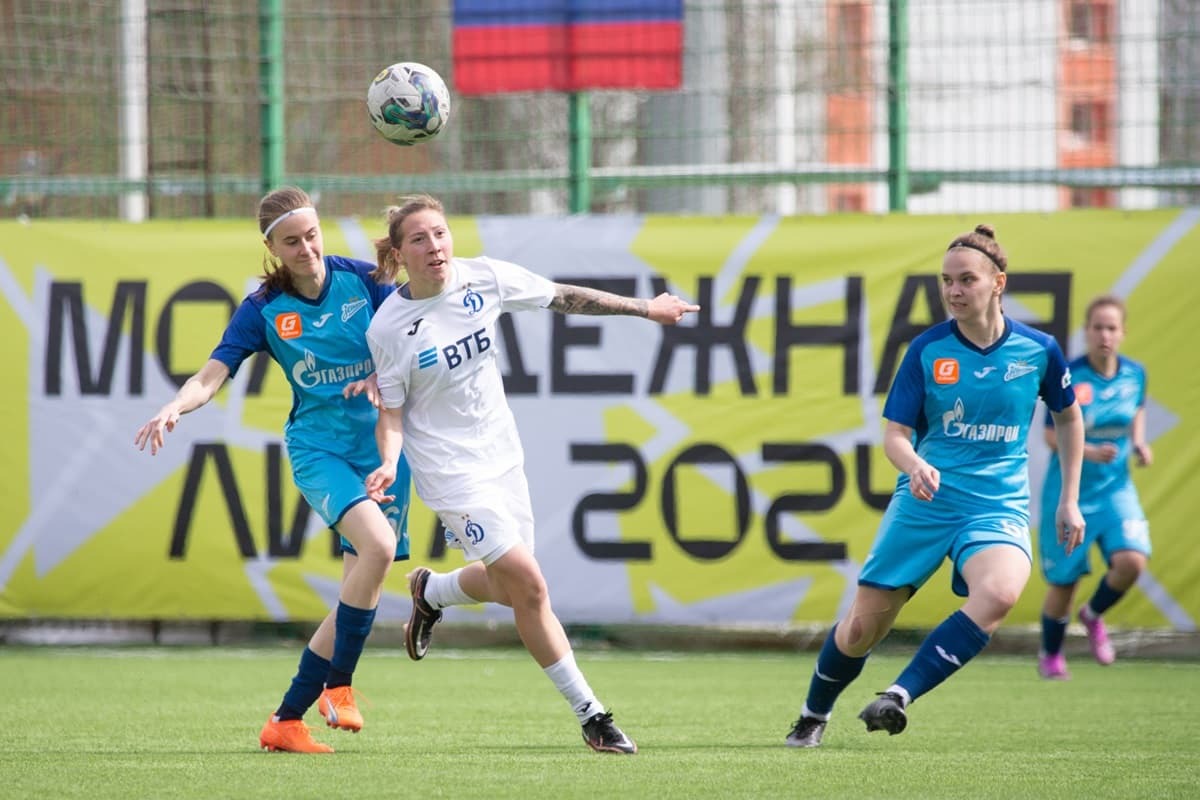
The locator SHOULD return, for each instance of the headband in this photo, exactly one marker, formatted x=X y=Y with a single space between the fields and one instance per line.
x=283 y=216
x=991 y=257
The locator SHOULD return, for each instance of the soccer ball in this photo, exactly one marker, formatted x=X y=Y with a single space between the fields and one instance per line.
x=408 y=103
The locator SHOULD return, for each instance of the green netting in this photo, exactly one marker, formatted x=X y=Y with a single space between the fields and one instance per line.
x=786 y=106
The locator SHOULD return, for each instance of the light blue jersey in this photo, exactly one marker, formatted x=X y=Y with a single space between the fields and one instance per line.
x=1107 y=497
x=321 y=345
x=970 y=410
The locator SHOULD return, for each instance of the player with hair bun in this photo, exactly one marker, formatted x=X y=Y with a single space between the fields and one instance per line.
x=958 y=415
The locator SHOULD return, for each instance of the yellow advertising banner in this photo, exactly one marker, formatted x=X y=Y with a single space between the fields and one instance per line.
x=728 y=471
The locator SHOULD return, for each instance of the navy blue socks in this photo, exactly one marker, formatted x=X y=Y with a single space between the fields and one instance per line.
x=352 y=625
x=1053 y=633
x=834 y=672
x=306 y=686
x=950 y=645
x=1104 y=598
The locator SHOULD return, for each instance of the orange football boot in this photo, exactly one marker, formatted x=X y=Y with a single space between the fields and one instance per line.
x=338 y=708
x=289 y=736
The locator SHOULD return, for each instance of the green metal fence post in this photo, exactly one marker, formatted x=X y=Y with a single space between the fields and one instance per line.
x=580 y=179
x=898 y=105
x=270 y=87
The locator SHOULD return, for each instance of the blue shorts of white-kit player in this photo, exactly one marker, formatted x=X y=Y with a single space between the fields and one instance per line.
x=490 y=519
x=916 y=536
x=333 y=484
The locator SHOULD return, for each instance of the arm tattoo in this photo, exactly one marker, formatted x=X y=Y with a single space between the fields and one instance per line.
x=570 y=299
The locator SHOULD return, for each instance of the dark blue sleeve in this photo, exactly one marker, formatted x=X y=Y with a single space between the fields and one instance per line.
x=1056 y=387
x=244 y=336
x=378 y=292
x=906 y=399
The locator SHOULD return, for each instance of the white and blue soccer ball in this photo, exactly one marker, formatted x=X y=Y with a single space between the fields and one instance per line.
x=408 y=103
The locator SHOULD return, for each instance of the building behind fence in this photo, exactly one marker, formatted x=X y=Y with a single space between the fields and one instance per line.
x=164 y=108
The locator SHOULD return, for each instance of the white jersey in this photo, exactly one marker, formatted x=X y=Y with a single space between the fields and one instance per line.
x=436 y=359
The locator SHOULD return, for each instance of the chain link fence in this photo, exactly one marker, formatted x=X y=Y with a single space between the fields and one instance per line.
x=787 y=106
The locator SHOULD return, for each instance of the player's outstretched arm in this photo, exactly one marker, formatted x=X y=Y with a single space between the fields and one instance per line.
x=195 y=392
x=666 y=309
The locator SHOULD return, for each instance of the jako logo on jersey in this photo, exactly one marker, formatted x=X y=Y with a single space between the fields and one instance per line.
x=324 y=318
x=955 y=428
x=472 y=301
x=1019 y=369
x=352 y=308
x=427 y=358
x=1083 y=393
x=307 y=374
x=945 y=370
x=473 y=531
x=288 y=325
x=983 y=373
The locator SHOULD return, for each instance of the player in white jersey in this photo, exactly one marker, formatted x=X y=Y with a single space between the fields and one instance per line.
x=434 y=345
x=310 y=314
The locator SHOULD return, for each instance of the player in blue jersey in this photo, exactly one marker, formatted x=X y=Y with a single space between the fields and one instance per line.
x=310 y=313
x=1111 y=390
x=435 y=344
x=958 y=415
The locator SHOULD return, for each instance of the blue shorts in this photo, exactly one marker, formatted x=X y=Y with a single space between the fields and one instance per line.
x=334 y=483
x=915 y=537
x=1118 y=525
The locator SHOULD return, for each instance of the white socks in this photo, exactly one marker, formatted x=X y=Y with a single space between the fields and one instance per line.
x=574 y=687
x=896 y=688
x=804 y=712
x=442 y=590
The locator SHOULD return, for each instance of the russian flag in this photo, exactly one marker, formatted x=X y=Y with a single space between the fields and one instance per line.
x=567 y=45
